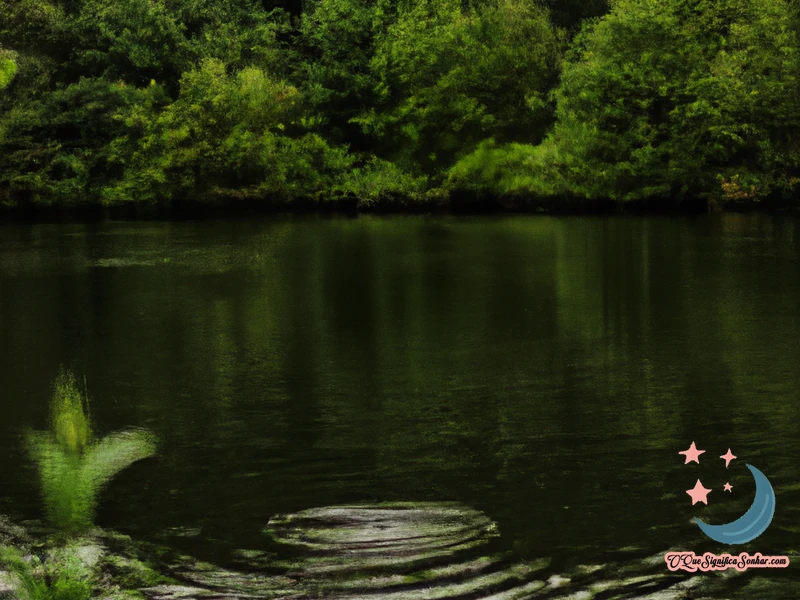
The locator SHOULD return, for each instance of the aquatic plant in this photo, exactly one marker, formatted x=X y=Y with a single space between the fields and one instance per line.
x=73 y=466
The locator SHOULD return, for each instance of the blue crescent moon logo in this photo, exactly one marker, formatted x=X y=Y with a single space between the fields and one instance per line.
x=752 y=523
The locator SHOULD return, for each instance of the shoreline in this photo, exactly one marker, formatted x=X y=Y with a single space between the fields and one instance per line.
x=326 y=554
x=197 y=210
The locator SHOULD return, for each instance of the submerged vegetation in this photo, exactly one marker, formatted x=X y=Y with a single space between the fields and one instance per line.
x=73 y=466
x=414 y=102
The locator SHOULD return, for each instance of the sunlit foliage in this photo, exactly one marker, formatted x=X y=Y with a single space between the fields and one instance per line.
x=159 y=103
x=8 y=68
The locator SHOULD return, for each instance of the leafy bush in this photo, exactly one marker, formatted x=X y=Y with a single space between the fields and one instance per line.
x=381 y=181
x=659 y=98
x=449 y=77
x=225 y=135
x=56 y=148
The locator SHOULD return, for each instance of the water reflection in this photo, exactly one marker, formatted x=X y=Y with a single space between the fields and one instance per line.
x=544 y=370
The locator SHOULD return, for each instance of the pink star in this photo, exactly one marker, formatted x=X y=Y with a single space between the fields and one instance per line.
x=698 y=493
x=692 y=454
x=728 y=487
x=728 y=457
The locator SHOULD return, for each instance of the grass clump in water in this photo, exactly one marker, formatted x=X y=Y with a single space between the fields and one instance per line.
x=73 y=465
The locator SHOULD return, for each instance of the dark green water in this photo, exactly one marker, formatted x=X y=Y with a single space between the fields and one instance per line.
x=544 y=370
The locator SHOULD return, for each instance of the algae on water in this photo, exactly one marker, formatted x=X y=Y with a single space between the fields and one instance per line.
x=73 y=465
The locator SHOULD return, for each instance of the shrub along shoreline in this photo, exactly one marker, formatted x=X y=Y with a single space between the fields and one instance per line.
x=400 y=104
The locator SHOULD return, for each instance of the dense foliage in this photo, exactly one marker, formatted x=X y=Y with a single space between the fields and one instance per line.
x=154 y=102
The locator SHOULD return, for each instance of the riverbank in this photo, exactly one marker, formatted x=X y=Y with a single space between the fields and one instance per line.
x=457 y=205
x=397 y=551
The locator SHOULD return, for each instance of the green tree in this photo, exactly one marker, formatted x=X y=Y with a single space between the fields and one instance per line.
x=132 y=41
x=451 y=76
x=56 y=147
x=239 y=33
x=33 y=26
x=667 y=99
x=336 y=43
x=223 y=136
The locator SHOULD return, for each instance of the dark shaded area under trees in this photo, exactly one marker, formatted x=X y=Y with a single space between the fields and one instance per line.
x=410 y=104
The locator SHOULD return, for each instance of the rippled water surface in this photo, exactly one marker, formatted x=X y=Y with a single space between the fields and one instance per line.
x=543 y=370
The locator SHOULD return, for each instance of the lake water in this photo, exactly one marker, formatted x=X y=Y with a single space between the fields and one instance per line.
x=546 y=371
